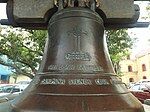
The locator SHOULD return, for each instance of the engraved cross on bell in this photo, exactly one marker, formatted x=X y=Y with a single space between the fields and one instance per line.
x=78 y=33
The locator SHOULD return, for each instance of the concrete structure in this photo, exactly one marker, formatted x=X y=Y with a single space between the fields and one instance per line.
x=4 y=74
x=137 y=68
x=19 y=78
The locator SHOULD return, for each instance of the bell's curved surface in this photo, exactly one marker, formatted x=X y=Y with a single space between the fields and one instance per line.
x=76 y=74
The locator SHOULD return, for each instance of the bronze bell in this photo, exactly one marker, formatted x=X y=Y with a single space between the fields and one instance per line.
x=76 y=74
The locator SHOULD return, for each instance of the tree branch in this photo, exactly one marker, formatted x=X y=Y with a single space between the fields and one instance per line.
x=17 y=69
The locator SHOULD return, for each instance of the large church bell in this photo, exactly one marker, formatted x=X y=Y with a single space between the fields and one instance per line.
x=76 y=74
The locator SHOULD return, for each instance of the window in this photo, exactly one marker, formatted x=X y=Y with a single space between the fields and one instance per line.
x=15 y=90
x=138 y=87
x=129 y=68
x=131 y=80
x=135 y=87
x=144 y=77
x=143 y=67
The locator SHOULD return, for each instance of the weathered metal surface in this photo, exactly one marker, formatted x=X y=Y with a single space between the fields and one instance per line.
x=37 y=8
x=121 y=8
x=76 y=74
x=31 y=8
x=25 y=13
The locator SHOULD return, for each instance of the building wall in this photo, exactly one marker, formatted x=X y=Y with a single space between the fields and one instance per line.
x=143 y=60
x=137 y=72
x=126 y=74
x=19 y=78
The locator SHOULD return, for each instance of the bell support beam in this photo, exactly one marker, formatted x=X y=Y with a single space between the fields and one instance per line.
x=3 y=1
x=19 y=14
x=76 y=73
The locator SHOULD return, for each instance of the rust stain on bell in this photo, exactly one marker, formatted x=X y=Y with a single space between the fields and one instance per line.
x=76 y=74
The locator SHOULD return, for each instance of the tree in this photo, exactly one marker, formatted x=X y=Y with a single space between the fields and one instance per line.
x=24 y=49
x=148 y=10
x=119 y=43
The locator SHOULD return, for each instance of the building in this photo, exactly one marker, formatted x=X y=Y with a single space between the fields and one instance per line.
x=5 y=73
x=7 y=77
x=19 y=78
x=137 y=68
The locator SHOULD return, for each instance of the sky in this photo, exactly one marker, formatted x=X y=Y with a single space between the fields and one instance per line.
x=142 y=34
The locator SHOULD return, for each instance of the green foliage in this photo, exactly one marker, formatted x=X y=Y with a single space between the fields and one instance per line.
x=119 y=44
x=23 y=48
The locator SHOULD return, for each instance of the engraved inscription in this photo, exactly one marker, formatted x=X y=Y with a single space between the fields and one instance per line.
x=115 y=80
x=59 y=81
x=53 y=81
x=101 y=82
x=77 y=33
x=61 y=67
x=79 y=82
x=78 y=56
x=84 y=68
